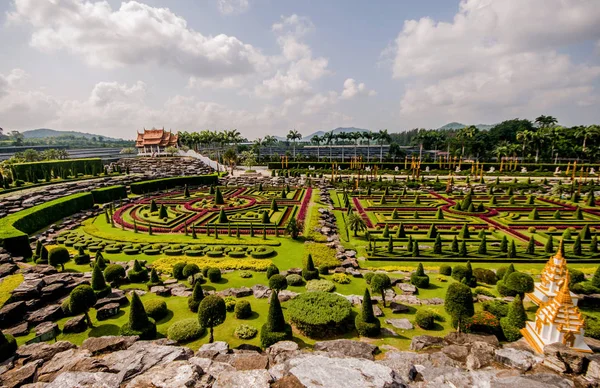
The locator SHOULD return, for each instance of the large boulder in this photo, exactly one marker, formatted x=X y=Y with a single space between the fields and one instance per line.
x=75 y=325
x=42 y=351
x=401 y=323
x=421 y=342
x=20 y=376
x=347 y=348
x=213 y=349
x=48 y=313
x=481 y=355
x=12 y=313
x=563 y=359
x=593 y=369
x=245 y=360
x=98 y=345
x=86 y=379
x=257 y=378
x=108 y=311
x=519 y=359
x=282 y=351
x=176 y=374
x=467 y=339
x=72 y=360
x=317 y=371
x=456 y=352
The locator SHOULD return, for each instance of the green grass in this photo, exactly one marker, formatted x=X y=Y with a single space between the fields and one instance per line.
x=7 y=285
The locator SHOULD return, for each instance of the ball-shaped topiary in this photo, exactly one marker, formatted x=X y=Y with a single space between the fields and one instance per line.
x=211 y=313
x=214 y=275
x=445 y=269
x=520 y=283
x=138 y=324
x=185 y=330
x=243 y=309
x=425 y=319
x=114 y=274
x=272 y=270
x=278 y=282
x=379 y=283
x=58 y=256
x=8 y=346
x=156 y=309
x=368 y=276
x=320 y=314
x=189 y=270
x=294 y=280
x=178 y=270
x=81 y=299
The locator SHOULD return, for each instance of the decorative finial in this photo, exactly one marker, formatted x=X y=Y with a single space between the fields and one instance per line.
x=561 y=248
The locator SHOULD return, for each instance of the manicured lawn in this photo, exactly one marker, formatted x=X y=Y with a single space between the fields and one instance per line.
x=7 y=285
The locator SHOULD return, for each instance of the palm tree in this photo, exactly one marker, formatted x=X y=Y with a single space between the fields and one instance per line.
x=465 y=135
x=526 y=137
x=587 y=133
x=328 y=137
x=356 y=223
x=368 y=136
x=354 y=136
x=340 y=137
x=383 y=136
x=269 y=141
x=256 y=146
x=421 y=137
x=316 y=139
x=546 y=121
x=230 y=157
x=294 y=136
x=233 y=136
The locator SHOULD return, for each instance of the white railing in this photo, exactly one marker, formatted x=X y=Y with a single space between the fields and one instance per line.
x=206 y=160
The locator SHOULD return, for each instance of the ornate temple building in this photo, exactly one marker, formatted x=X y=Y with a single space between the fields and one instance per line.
x=558 y=318
x=154 y=142
x=553 y=276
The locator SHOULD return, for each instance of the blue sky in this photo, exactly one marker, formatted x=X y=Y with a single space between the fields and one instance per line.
x=266 y=66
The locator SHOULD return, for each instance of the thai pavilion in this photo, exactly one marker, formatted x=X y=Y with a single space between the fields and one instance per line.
x=154 y=142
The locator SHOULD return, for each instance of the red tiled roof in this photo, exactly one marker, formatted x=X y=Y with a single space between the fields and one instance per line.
x=158 y=137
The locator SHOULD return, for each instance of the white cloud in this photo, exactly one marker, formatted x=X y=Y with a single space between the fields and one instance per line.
x=496 y=59
x=352 y=89
x=319 y=102
x=293 y=25
x=227 y=7
x=134 y=34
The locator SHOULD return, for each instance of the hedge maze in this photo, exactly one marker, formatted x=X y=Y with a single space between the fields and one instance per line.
x=404 y=224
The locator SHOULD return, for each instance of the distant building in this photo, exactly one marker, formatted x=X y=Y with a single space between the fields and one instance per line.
x=155 y=142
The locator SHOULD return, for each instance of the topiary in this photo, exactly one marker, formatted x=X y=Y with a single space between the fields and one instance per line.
x=520 y=283
x=272 y=270
x=99 y=283
x=58 y=256
x=154 y=279
x=189 y=270
x=341 y=278
x=211 y=313
x=425 y=319
x=245 y=274
x=138 y=324
x=497 y=307
x=8 y=346
x=323 y=270
x=243 y=309
x=100 y=261
x=379 y=283
x=365 y=322
x=294 y=280
x=459 y=303
x=309 y=272
x=81 y=299
x=485 y=275
x=320 y=314
x=275 y=329
x=514 y=320
x=419 y=278
x=185 y=330
x=178 y=270
x=245 y=331
x=320 y=285
x=137 y=274
x=66 y=309
x=156 y=309
x=214 y=274
x=114 y=274
x=482 y=322
x=81 y=257
x=368 y=276
x=196 y=297
x=278 y=282
x=459 y=272
x=230 y=303
x=445 y=269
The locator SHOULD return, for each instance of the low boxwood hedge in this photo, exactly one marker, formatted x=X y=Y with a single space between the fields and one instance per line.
x=262 y=252
x=152 y=252
x=131 y=251
x=185 y=330
x=112 y=249
x=237 y=254
x=95 y=248
x=172 y=252
x=321 y=314
x=156 y=308
x=214 y=253
x=194 y=253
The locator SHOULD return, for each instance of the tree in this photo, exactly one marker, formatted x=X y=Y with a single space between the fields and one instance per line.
x=419 y=278
x=482 y=250
x=275 y=329
x=292 y=228
x=379 y=283
x=162 y=213
x=577 y=246
x=58 y=256
x=309 y=272
x=520 y=283
x=512 y=250
x=98 y=282
x=278 y=282
x=515 y=320
x=294 y=136
x=549 y=247
x=366 y=323
x=459 y=303
x=81 y=299
x=596 y=278
x=274 y=207
x=356 y=223
x=138 y=323
x=223 y=217
x=211 y=313
x=219 y=197
x=196 y=297
x=531 y=246
x=437 y=245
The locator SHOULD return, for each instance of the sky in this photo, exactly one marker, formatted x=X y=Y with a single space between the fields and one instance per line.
x=267 y=66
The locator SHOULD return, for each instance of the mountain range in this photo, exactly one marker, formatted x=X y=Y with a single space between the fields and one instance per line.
x=42 y=133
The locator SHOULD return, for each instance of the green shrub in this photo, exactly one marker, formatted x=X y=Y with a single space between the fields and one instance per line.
x=82 y=257
x=294 y=280
x=341 y=278
x=320 y=285
x=484 y=275
x=114 y=274
x=81 y=299
x=445 y=269
x=189 y=270
x=214 y=274
x=278 y=282
x=212 y=312
x=419 y=278
x=320 y=314
x=309 y=272
x=109 y=194
x=99 y=283
x=185 y=330
x=245 y=274
x=520 y=283
x=138 y=324
x=459 y=303
x=459 y=272
x=365 y=322
x=8 y=346
x=575 y=276
x=178 y=270
x=243 y=309
x=368 y=276
x=66 y=308
x=585 y=288
x=262 y=252
x=497 y=307
x=482 y=322
x=425 y=319
x=137 y=274
x=168 y=183
x=58 y=256
x=230 y=302
x=156 y=309
x=272 y=270
x=483 y=291
x=244 y=331
x=592 y=327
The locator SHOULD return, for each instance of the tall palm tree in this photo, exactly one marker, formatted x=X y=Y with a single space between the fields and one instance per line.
x=368 y=136
x=258 y=143
x=294 y=136
x=546 y=121
x=316 y=139
x=525 y=136
x=329 y=137
x=465 y=135
x=354 y=136
x=341 y=137
x=383 y=136
x=270 y=141
x=230 y=157
x=587 y=133
x=356 y=223
x=421 y=137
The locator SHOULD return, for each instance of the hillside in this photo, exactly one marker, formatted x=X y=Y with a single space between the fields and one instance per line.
x=455 y=125
x=43 y=133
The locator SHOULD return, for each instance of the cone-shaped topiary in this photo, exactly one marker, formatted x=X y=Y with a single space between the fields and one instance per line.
x=454 y=246
x=463 y=249
x=275 y=329
x=432 y=233
x=390 y=245
x=577 y=246
x=556 y=215
x=419 y=278
x=585 y=233
x=591 y=199
x=98 y=281
x=138 y=324
x=223 y=217
x=186 y=192
x=309 y=272
x=439 y=214
x=395 y=214
x=437 y=245
x=578 y=214
x=400 y=233
x=482 y=249
x=531 y=246
x=274 y=206
x=409 y=245
x=515 y=320
x=464 y=232
x=219 y=197
x=512 y=250
x=386 y=231
x=534 y=215
x=549 y=247
x=594 y=245
x=153 y=207
x=366 y=323
x=196 y=297
x=162 y=213
x=415 y=250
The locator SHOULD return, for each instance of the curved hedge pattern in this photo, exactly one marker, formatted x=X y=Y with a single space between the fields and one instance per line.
x=168 y=183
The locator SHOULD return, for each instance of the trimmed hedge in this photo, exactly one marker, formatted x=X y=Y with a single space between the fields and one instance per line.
x=15 y=228
x=169 y=183
x=109 y=194
x=34 y=171
x=156 y=308
x=321 y=314
x=185 y=330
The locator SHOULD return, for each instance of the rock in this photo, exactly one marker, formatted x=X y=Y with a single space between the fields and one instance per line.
x=176 y=374
x=347 y=348
x=161 y=290
x=466 y=339
x=236 y=292
x=49 y=313
x=247 y=379
x=42 y=351
x=12 y=313
x=107 y=311
x=46 y=330
x=456 y=352
x=539 y=380
x=515 y=358
x=407 y=288
x=481 y=355
x=211 y=350
x=593 y=370
x=7 y=269
x=289 y=381
x=281 y=351
x=72 y=360
x=421 y=342
x=261 y=291
x=75 y=325
x=403 y=323
x=210 y=368
x=18 y=377
x=318 y=371
x=97 y=345
x=86 y=379
x=19 y=330
x=285 y=295
x=594 y=344
x=398 y=308
x=564 y=360
x=143 y=355
x=247 y=361
x=116 y=296
x=377 y=311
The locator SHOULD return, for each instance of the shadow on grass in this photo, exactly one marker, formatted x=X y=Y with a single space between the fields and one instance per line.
x=221 y=281
x=254 y=316
x=166 y=318
x=104 y=330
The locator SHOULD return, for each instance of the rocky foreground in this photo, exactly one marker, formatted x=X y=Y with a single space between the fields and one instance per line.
x=453 y=361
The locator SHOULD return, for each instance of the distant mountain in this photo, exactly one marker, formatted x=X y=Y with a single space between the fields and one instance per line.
x=455 y=125
x=42 y=133
x=335 y=131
